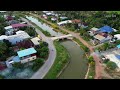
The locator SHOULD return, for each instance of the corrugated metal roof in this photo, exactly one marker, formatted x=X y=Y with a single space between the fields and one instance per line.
x=106 y=29
x=26 y=52
x=18 y=25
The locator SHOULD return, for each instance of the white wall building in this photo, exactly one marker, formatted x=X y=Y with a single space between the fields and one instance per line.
x=113 y=58
x=64 y=22
x=20 y=36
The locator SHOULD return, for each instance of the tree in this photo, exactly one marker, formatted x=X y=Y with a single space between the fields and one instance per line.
x=9 y=44
x=111 y=65
x=18 y=65
x=3 y=48
x=43 y=54
x=90 y=59
x=1 y=77
x=105 y=46
x=37 y=64
x=86 y=49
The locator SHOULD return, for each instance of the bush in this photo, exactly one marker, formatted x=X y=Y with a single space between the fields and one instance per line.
x=18 y=65
x=37 y=64
x=106 y=61
x=111 y=65
x=1 y=77
x=90 y=59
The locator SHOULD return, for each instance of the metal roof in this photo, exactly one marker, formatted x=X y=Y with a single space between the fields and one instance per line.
x=26 y=52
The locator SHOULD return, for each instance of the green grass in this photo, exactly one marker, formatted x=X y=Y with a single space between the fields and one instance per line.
x=46 y=33
x=60 y=61
x=91 y=73
x=53 y=25
x=81 y=44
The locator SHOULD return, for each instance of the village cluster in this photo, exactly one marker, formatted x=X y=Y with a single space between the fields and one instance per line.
x=100 y=36
x=23 y=45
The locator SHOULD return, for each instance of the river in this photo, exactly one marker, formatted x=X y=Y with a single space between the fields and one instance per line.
x=77 y=67
x=44 y=26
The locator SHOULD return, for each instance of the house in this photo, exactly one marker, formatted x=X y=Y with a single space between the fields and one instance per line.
x=53 y=19
x=19 y=36
x=19 y=25
x=64 y=22
x=84 y=25
x=45 y=11
x=114 y=58
x=13 y=22
x=23 y=56
x=48 y=13
x=2 y=37
x=3 y=11
x=36 y=41
x=63 y=18
x=25 y=44
x=44 y=16
x=13 y=27
x=8 y=18
x=27 y=55
x=102 y=38
x=117 y=36
x=106 y=29
x=93 y=31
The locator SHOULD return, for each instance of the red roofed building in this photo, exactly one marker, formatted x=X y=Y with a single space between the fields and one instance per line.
x=18 y=25
x=9 y=18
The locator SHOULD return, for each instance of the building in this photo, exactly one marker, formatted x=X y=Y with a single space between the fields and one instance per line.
x=13 y=27
x=8 y=18
x=63 y=18
x=24 y=56
x=117 y=36
x=27 y=55
x=64 y=22
x=36 y=41
x=93 y=31
x=106 y=29
x=3 y=11
x=48 y=13
x=19 y=36
x=13 y=22
x=53 y=19
x=102 y=38
x=114 y=58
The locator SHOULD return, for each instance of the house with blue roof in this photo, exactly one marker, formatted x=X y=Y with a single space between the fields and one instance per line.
x=27 y=55
x=23 y=56
x=107 y=29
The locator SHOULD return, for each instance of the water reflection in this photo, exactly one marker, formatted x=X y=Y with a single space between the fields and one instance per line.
x=43 y=26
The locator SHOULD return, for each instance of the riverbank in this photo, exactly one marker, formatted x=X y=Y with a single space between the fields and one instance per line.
x=46 y=33
x=79 y=44
x=54 y=26
x=61 y=59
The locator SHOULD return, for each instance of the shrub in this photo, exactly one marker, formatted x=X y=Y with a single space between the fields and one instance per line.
x=37 y=64
x=1 y=77
x=18 y=65
x=111 y=65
